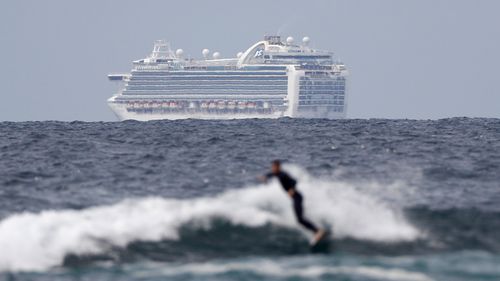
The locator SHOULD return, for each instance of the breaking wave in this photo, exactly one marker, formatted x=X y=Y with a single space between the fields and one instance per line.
x=38 y=241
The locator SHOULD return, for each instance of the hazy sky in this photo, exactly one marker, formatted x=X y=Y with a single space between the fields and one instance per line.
x=408 y=59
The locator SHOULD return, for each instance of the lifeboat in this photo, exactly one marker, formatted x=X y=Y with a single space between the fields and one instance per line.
x=165 y=104
x=173 y=104
x=231 y=105
x=251 y=105
x=266 y=105
x=242 y=105
x=212 y=105
x=221 y=105
x=204 y=105
x=192 y=105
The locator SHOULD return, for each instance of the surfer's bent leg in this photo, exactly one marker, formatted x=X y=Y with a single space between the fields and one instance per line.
x=299 y=213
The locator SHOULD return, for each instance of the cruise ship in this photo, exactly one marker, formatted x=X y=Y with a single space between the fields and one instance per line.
x=271 y=79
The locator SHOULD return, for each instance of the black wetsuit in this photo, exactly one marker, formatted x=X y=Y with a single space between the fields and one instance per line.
x=289 y=183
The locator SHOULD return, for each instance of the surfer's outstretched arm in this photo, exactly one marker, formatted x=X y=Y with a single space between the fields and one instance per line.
x=263 y=178
x=266 y=177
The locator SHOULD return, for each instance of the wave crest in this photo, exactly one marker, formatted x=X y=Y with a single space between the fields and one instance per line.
x=32 y=241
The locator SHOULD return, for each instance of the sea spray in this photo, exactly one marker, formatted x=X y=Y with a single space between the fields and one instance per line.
x=37 y=241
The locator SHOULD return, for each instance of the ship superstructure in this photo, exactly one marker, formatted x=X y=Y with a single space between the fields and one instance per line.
x=269 y=80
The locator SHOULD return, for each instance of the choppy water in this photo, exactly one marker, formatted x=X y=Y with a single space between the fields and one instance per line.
x=178 y=200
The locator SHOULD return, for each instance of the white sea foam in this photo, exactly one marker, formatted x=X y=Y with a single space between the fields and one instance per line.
x=39 y=241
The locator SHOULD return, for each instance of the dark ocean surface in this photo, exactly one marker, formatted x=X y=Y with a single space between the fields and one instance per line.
x=179 y=200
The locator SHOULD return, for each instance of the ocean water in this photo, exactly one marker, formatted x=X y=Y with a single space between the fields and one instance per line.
x=179 y=200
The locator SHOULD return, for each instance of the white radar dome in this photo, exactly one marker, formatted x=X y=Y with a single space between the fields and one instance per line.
x=205 y=52
x=289 y=40
x=179 y=52
x=239 y=54
x=306 y=40
x=216 y=55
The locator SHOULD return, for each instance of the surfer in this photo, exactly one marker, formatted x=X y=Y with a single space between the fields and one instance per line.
x=289 y=185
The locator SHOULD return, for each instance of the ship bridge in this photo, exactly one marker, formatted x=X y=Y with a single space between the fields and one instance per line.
x=272 y=50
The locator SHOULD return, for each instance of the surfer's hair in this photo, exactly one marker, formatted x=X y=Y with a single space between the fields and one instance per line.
x=276 y=163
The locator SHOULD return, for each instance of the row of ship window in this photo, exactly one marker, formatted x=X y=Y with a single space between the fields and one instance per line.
x=309 y=86
x=321 y=92
x=230 y=68
x=335 y=77
x=216 y=91
x=189 y=92
x=230 y=85
x=322 y=82
x=313 y=107
x=208 y=87
x=325 y=100
x=209 y=82
x=266 y=84
x=321 y=95
x=208 y=73
x=321 y=88
x=208 y=78
x=176 y=67
x=320 y=102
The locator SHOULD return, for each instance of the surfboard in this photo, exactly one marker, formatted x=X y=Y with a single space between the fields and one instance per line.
x=317 y=240
x=321 y=245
